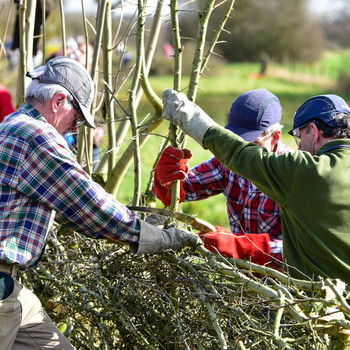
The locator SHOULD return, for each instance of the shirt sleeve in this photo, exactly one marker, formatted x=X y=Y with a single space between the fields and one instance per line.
x=273 y=174
x=51 y=176
x=205 y=180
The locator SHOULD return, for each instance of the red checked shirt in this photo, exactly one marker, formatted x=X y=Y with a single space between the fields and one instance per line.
x=249 y=210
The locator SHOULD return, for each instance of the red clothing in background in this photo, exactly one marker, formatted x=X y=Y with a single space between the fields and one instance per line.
x=6 y=105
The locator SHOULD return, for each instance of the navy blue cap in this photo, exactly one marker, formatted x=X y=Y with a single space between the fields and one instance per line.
x=323 y=107
x=253 y=112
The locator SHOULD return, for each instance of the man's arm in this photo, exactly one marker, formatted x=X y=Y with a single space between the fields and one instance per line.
x=51 y=177
x=205 y=180
x=272 y=174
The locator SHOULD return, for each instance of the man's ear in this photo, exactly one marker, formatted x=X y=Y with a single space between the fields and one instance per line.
x=276 y=137
x=316 y=133
x=57 y=101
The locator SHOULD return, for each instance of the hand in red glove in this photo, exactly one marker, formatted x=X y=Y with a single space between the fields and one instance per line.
x=252 y=246
x=172 y=165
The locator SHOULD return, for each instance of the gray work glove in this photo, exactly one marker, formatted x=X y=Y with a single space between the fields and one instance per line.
x=187 y=115
x=153 y=240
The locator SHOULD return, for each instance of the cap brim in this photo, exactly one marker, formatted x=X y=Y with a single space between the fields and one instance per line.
x=89 y=120
x=246 y=134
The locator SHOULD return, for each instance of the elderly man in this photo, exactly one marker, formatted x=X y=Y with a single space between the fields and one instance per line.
x=255 y=116
x=312 y=186
x=40 y=181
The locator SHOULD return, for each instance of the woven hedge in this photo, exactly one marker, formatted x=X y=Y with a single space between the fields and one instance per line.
x=103 y=297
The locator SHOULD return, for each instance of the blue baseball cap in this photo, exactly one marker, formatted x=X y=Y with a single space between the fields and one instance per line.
x=323 y=107
x=253 y=112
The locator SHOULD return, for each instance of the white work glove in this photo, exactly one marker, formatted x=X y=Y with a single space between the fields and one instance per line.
x=153 y=240
x=187 y=115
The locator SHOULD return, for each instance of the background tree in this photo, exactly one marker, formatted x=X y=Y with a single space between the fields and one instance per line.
x=292 y=34
x=336 y=29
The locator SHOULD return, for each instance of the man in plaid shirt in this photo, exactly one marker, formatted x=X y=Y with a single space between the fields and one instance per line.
x=255 y=116
x=40 y=181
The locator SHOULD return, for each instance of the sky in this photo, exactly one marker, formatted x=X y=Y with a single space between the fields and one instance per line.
x=75 y=6
x=319 y=7
x=91 y=5
x=326 y=7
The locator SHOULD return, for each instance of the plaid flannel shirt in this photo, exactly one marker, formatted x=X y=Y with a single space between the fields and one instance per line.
x=249 y=210
x=40 y=181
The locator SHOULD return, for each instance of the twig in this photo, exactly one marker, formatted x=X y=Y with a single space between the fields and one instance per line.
x=278 y=316
x=173 y=130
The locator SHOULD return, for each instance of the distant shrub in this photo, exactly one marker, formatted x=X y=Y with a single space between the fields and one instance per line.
x=343 y=83
x=253 y=30
x=162 y=65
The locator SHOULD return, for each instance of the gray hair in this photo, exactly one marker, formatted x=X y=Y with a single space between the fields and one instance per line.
x=39 y=93
x=269 y=131
x=273 y=128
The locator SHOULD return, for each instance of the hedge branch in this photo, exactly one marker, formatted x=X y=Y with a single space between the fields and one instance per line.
x=132 y=96
x=204 y=16
x=124 y=123
x=173 y=130
x=109 y=102
x=43 y=19
x=63 y=28
x=86 y=134
x=2 y=49
x=22 y=66
x=117 y=174
x=215 y=40
x=120 y=169
x=279 y=314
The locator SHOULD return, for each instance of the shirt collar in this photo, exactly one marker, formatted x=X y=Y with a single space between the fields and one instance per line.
x=333 y=144
x=31 y=111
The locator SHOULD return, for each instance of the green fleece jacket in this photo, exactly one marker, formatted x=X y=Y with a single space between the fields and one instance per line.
x=313 y=193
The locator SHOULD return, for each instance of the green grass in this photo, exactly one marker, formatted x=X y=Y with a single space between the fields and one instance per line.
x=215 y=96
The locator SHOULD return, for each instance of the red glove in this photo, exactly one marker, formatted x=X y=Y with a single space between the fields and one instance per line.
x=252 y=246
x=172 y=165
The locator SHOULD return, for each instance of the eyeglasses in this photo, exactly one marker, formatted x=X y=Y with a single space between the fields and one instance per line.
x=79 y=119
x=296 y=133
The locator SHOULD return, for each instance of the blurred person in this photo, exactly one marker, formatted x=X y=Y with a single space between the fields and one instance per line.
x=40 y=181
x=82 y=55
x=311 y=185
x=98 y=135
x=255 y=116
x=13 y=52
x=168 y=50
x=6 y=104
x=72 y=50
